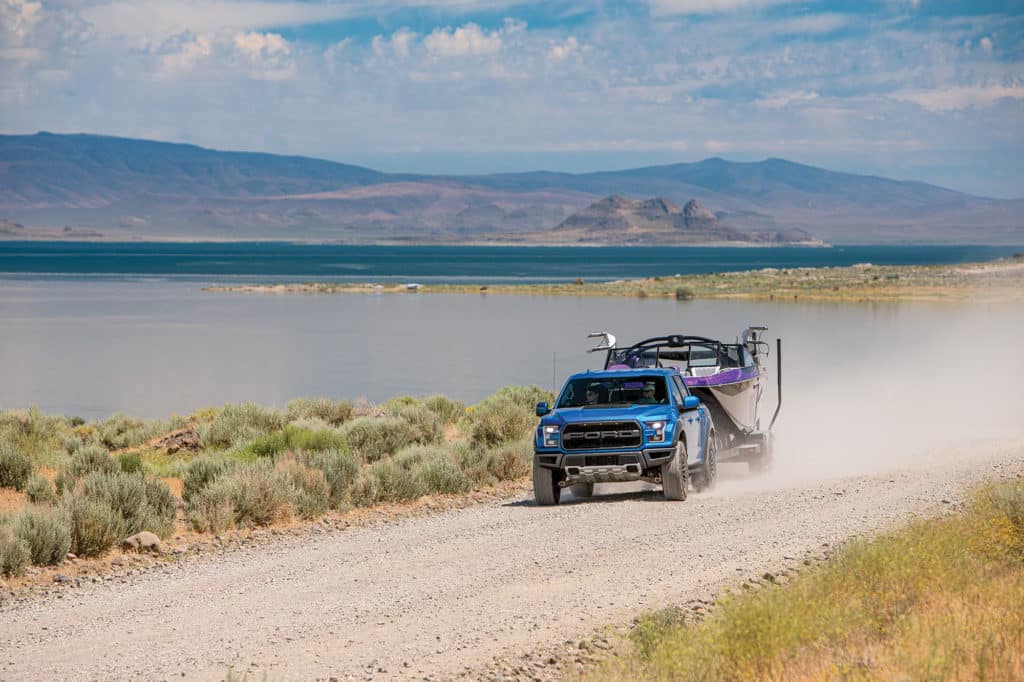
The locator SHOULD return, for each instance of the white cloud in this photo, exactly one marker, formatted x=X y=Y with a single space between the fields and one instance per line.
x=467 y=40
x=780 y=100
x=812 y=24
x=670 y=7
x=22 y=56
x=19 y=16
x=179 y=55
x=400 y=43
x=560 y=52
x=960 y=97
x=267 y=53
x=986 y=44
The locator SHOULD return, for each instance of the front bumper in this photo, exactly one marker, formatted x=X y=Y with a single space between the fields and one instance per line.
x=604 y=466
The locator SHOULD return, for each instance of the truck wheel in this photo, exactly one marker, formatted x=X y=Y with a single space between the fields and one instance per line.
x=582 y=490
x=762 y=462
x=675 y=475
x=707 y=476
x=545 y=485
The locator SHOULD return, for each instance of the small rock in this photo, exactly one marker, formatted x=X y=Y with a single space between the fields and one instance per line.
x=70 y=557
x=142 y=542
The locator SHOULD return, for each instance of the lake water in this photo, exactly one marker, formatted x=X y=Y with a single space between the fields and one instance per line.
x=153 y=348
x=262 y=262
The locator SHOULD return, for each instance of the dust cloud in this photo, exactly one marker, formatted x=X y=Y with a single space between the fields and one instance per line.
x=861 y=401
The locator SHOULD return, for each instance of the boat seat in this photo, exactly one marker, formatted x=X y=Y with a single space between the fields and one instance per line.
x=703 y=371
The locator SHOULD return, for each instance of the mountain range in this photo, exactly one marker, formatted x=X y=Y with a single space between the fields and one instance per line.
x=73 y=185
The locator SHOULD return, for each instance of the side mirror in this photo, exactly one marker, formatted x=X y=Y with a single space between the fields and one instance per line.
x=542 y=409
x=690 y=402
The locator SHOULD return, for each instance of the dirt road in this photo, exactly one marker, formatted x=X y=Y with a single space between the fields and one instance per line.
x=430 y=596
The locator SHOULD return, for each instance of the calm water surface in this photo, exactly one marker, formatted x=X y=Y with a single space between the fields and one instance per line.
x=155 y=348
x=261 y=262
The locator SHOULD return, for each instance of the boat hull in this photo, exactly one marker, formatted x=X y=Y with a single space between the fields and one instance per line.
x=737 y=390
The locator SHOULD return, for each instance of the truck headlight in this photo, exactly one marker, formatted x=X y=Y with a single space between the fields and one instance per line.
x=658 y=429
x=550 y=436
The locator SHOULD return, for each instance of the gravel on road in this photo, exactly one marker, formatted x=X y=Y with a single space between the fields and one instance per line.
x=437 y=595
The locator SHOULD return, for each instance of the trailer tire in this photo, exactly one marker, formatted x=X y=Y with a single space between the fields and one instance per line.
x=707 y=475
x=675 y=475
x=545 y=485
x=582 y=490
x=762 y=462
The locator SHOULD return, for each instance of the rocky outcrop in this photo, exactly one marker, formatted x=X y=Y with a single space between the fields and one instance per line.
x=619 y=219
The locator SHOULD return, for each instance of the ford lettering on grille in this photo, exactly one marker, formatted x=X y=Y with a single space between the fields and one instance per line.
x=601 y=436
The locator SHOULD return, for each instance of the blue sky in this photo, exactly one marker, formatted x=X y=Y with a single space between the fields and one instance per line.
x=920 y=89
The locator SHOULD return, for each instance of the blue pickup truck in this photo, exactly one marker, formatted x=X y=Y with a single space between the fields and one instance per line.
x=623 y=424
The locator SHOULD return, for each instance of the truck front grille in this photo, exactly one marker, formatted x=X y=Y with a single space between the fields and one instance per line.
x=601 y=436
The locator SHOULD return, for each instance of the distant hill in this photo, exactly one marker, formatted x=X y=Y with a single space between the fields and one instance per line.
x=124 y=188
x=617 y=219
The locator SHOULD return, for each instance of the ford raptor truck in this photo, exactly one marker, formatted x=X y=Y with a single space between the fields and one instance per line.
x=622 y=425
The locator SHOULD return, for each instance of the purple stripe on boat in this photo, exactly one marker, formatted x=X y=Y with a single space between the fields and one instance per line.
x=729 y=376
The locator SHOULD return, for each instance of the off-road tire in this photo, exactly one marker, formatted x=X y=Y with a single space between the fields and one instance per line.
x=707 y=476
x=675 y=475
x=763 y=460
x=545 y=485
x=582 y=490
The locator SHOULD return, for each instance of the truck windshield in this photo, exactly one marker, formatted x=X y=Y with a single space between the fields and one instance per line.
x=633 y=390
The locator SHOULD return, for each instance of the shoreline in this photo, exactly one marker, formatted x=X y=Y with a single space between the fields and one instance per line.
x=995 y=281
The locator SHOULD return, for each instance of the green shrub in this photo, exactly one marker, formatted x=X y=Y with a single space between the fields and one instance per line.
x=684 y=294
x=63 y=482
x=33 y=433
x=386 y=481
x=142 y=504
x=440 y=474
x=202 y=471
x=121 y=431
x=312 y=493
x=14 y=553
x=237 y=423
x=340 y=467
x=428 y=426
x=91 y=459
x=212 y=509
x=473 y=462
x=15 y=467
x=295 y=438
x=95 y=527
x=163 y=505
x=495 y=422
x=400 y=402
x=511 y=461
x=40 y=491
x=334 y=412
x=411 y=456
x=447 y=409
x=375 y=437
x=130 y=462
x=259 y=496
x=525 y=397
x=45 y=532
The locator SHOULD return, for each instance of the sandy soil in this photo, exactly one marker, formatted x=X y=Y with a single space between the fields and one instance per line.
x=432 y=596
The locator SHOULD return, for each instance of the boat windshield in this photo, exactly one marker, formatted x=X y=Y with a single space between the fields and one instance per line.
x=634 y=390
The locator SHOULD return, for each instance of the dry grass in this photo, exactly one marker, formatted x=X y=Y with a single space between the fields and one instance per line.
x=939 y=600
x=1001 y=280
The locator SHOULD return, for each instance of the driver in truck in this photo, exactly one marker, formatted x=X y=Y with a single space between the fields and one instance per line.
x=647 y=395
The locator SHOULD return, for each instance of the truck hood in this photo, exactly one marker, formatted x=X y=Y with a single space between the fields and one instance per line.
x=574 y=415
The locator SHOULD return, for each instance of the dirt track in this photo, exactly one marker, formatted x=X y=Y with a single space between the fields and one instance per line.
x=435 y=595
